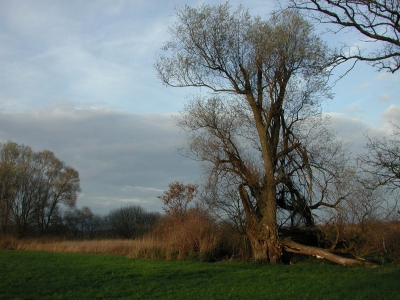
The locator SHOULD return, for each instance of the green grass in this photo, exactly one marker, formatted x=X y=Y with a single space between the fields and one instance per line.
x=41 y=275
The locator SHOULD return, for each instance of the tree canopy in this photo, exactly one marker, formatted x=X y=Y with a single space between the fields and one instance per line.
x=32 y=187
x=260 y=132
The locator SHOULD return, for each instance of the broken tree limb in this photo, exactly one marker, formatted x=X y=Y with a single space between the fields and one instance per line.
x=290 y=246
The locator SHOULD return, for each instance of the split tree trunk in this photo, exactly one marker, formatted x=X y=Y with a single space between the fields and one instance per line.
x=262 y=229
x=264 y=243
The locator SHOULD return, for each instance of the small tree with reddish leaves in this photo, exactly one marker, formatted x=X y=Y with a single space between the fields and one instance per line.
x=177 y=198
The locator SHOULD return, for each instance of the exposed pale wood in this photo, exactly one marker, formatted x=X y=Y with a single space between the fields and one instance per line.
x=291 y=246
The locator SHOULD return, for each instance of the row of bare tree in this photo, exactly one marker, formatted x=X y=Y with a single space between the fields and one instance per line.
x=127 y=222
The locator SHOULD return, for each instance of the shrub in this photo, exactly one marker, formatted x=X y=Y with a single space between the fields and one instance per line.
x=392 y=242
x=194 y=234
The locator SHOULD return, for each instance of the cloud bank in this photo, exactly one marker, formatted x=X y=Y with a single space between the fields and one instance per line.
x=121 y=157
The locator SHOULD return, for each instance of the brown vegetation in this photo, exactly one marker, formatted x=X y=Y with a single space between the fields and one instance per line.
x=119 y=247
x=197 y=237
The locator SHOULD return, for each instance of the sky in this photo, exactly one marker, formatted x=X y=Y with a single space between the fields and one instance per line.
x=77 y=78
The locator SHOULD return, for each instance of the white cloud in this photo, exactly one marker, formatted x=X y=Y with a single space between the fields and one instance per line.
x=364 y=86
x=354 y=131
x=83 y=51
x=386 y=76
x=385 y=97
x=388 y=81
x=392 y=114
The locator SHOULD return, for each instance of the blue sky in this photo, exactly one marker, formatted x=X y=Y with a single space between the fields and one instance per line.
x=77 y=78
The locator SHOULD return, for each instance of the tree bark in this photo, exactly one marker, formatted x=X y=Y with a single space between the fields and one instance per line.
x=290 y=246
x=264 y=242
x=261 y=227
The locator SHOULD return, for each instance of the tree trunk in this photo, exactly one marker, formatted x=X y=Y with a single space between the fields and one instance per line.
x=264 y=242
x=262 y=229
x=293 y=247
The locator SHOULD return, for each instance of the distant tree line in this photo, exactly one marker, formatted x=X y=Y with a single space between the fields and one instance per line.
x=38 y=195
x=127 y=222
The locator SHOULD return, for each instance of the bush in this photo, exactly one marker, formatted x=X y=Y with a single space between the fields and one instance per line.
x=392 y=242
x=377 y=241
x=191 y=235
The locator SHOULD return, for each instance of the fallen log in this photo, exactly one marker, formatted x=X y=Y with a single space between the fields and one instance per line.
x=291 y=246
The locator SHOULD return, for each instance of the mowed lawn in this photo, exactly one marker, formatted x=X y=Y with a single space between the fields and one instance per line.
x=44 y=275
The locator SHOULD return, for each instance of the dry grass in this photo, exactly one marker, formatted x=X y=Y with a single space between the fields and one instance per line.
x=146 y=247
x=109 y=246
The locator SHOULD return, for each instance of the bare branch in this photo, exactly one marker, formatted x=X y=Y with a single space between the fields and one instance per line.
x=376 y=20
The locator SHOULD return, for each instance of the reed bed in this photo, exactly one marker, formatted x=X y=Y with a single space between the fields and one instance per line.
x=130 y=248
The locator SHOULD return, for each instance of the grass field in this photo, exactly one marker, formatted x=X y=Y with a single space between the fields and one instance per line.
x=45 y=275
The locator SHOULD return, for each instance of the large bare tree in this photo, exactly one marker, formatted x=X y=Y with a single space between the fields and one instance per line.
x=57 y=184
x=22 y=191
x=33 y=185
x=9 y=154
x=376 y=21
x=256 y=137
